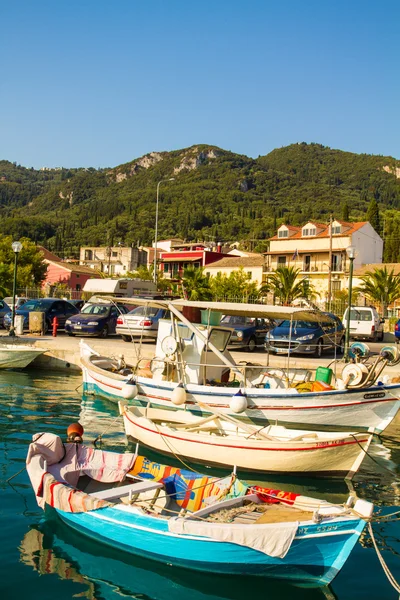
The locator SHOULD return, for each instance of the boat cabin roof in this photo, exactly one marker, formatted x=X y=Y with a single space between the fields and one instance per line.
x=239 y=308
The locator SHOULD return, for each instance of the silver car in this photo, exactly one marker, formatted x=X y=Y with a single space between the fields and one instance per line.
x=141 y=321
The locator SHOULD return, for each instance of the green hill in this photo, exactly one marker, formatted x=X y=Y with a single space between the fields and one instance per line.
x=216 y=195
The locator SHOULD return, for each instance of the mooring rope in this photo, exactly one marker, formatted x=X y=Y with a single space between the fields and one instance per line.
x=384 y=566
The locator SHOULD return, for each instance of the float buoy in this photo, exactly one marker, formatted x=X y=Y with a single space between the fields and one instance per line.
x=178 y=396
x=75 y=432
x=129 y=390
x=238 y=402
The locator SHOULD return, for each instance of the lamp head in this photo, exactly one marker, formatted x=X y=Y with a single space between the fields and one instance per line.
x=17 y=247
x=351 y=252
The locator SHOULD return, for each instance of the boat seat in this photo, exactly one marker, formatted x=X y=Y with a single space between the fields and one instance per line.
x=124 y=490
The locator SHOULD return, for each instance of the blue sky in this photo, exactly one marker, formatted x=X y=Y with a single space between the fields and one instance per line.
x=99 y=83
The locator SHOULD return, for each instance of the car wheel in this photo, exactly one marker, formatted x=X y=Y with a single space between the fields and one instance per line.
x=318 y=349
x=126 y=338
x=70 y=334
x=251 y=344
x=46 y=327
x=341 y=345
x=104 y=332
x=381 y=336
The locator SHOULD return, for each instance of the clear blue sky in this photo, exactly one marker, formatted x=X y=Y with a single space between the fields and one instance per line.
x=99 y=83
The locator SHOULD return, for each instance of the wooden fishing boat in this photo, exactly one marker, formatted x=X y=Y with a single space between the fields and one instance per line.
x=193 y=365
x=191 y=520
x=225 y=441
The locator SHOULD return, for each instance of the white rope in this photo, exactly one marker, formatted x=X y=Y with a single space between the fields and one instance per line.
x=384 y=566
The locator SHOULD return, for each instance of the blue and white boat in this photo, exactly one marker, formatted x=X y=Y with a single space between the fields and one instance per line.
x=191 y=520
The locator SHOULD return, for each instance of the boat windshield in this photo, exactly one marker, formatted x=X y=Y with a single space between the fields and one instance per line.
x=144 y=311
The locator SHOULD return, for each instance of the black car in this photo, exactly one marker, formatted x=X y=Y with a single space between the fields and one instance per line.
x=97 y=320
x=52 y=307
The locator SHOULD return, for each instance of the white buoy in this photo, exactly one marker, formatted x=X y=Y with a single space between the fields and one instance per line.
x=238 y=402
x=129 y=390
x=178 y=396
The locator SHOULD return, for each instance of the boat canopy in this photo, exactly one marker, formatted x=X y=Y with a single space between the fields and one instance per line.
x=238 y=308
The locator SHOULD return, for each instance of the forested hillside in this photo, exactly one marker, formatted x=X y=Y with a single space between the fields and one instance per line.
x=216 y=195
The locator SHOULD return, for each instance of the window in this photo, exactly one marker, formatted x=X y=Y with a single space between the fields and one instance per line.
x=281 y=261
x=336 y=229
x=219 y=338
x=77 y=276
x=307 y=262
x=283 y=233
x=336 y=262
x=123 y=285
x=88 y=255
x=114 y=254
x=166 y=268
x=308 y=231
x=336 y=286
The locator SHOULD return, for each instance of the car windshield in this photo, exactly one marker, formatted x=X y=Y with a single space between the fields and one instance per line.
x=38 y=305
x=236 y=320
x=142 y=311
x=298 y=324
x=360 y=315
x=95 y=309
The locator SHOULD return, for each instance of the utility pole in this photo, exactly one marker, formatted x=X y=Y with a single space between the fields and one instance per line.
x=330 y=265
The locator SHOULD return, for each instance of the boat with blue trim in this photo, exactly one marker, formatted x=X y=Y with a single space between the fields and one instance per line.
x=193 y=365
x=191 y=520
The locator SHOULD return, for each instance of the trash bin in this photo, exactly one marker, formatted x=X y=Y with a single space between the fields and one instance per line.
x=36 y=322
x=19 y=324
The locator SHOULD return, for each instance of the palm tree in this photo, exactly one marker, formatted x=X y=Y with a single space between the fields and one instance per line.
x=284 y=286
x=195 y=284
x=381 y=286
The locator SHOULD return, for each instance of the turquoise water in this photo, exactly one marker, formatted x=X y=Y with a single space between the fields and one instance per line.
x=45 y=560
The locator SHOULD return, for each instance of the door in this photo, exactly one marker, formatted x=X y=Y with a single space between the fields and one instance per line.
x=114 y=314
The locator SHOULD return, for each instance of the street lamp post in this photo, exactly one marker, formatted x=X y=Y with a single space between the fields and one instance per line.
x=351 y=253
x=17 y=247
x=156 y=229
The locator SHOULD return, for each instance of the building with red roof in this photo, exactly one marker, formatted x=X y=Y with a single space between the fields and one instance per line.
x=320 y=253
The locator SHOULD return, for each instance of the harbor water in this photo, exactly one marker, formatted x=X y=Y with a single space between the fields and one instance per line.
x=43 y=559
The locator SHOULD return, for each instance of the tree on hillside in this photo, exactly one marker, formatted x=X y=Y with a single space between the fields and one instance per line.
x=373 y=215
x=381 y=286
x=345 y=211
x=31 y=266
x=285 y=286
x=235 y=286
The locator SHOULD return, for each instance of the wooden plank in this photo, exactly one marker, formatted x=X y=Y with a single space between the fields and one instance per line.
x=124 y=490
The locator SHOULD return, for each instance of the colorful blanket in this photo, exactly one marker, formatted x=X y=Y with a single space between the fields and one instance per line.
x=192 y=491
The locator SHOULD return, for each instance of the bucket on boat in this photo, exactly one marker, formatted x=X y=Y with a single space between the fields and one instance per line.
x=324 y=374
x=210 y=317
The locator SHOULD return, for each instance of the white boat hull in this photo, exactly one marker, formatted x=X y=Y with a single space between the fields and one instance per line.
x=322 y=454
x=353 y=409
x=17 y=356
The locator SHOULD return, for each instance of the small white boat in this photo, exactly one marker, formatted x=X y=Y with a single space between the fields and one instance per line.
x=225 y=441
x=18 y=356
x=196 y=359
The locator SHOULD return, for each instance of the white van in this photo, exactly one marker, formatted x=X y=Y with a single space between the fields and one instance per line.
x=365 y=323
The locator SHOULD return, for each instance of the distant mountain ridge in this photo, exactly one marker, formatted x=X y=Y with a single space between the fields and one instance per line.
x=216 y=194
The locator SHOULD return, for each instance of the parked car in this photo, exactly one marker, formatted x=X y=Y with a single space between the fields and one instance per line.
x=249 y=333
x=397 y=332
x=306 y=337
x=4 y=310
x=97 y=320
x=79 y=304
x=52 y=307
x=141 y=321
x=19 y=301
x=365 y=323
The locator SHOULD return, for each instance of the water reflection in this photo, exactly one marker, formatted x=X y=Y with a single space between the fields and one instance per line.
x=109 y=575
